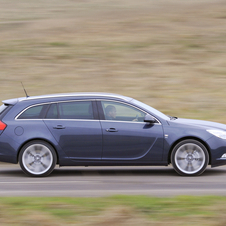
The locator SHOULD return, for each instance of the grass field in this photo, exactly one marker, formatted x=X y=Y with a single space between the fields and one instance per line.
x=170 y=54
x=113 y=211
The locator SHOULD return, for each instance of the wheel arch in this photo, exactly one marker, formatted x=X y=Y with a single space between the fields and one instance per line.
x=38 y=139
x=189 y=138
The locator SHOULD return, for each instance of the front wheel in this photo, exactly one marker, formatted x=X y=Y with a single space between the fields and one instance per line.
x=189 y=158
x=37 y=158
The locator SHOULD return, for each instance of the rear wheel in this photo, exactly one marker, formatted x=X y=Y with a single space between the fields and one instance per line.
x=189 y=157
x=37 y=158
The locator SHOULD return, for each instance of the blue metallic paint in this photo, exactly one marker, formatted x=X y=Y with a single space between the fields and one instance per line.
x=132 y=141
x=90 y=144
x=80 y=139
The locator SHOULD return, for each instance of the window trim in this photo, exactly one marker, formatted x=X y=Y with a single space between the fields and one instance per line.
x=102 y=115
x=18 y=115
x=94 y=106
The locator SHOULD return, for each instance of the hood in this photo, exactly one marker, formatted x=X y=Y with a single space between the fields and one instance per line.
x=200 y=123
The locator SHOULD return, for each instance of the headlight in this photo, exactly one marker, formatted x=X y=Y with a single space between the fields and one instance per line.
x=218 y=133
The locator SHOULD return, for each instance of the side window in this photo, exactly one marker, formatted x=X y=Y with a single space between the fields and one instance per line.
x=36 y=112
x=76 y=110
x=121 y=112
x=52 y=112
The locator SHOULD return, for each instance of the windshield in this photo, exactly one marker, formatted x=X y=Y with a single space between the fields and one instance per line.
x=150 y=109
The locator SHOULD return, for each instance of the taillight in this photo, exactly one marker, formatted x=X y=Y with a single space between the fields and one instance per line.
x=2 y=126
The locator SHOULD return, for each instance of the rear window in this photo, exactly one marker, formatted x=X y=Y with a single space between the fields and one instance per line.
x=3 y=108
x=36 y=112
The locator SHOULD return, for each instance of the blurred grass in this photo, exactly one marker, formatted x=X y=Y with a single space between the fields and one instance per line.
x=115 y=210
x=168 y=54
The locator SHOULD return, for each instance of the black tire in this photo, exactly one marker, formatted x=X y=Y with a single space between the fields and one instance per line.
x=189 y=158
x=37 y=158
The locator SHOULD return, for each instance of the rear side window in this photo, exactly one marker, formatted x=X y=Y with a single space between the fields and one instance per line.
x=36 y=112
x=76 y=110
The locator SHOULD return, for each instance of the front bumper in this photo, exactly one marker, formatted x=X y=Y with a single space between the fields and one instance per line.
x=217 y=148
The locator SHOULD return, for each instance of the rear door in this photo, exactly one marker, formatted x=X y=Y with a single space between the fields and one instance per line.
x=76 y=127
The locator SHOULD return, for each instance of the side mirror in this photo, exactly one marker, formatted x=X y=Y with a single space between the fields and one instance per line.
x=149 y=118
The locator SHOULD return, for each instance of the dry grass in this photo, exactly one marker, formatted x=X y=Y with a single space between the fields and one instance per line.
x=170 y=54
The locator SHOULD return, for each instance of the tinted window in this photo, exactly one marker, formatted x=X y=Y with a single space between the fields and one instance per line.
x=121 y=112
x=36 y=112
x=52 y=112
x=76 y=110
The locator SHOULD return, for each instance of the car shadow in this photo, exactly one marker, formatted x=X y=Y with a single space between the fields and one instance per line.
x=113 y=172
x=117 y=171
x=214 y=171
x=12 y=173
x=167 y=171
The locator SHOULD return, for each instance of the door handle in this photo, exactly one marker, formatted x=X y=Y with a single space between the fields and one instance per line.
x=111 y=130
x=59 y=127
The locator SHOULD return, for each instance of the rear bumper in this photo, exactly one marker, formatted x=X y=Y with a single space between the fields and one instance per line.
x=8 y=149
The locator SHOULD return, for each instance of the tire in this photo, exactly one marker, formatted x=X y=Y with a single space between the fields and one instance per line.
x=189 y=158
x=37 y=158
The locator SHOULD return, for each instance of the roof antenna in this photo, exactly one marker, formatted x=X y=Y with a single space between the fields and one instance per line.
x=24 y=90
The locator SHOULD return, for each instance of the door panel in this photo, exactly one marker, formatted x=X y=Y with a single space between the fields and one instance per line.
x=79 y=139
x=126 y=136
x=130 y=140
x=75 y=127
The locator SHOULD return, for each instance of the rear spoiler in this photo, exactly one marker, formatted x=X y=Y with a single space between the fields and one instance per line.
x=10 y=101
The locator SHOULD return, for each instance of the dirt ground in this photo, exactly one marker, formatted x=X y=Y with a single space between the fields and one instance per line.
x=170 y=54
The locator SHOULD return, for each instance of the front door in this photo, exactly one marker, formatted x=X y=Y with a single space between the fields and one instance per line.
x=125 y=134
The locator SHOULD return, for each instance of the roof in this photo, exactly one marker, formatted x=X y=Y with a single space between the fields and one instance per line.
x=88 y=94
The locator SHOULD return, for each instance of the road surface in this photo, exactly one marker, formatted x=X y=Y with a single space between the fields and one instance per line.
x=105 y=181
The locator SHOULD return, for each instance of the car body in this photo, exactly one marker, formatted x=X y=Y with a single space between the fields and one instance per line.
x=101 y=129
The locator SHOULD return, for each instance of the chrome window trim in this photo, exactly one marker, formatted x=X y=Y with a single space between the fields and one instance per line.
x=18 y=115
x=59 y=119
x=158 y=122
x=128 y=122
x=52 y=102
x=70 y=119
x=63 y=101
